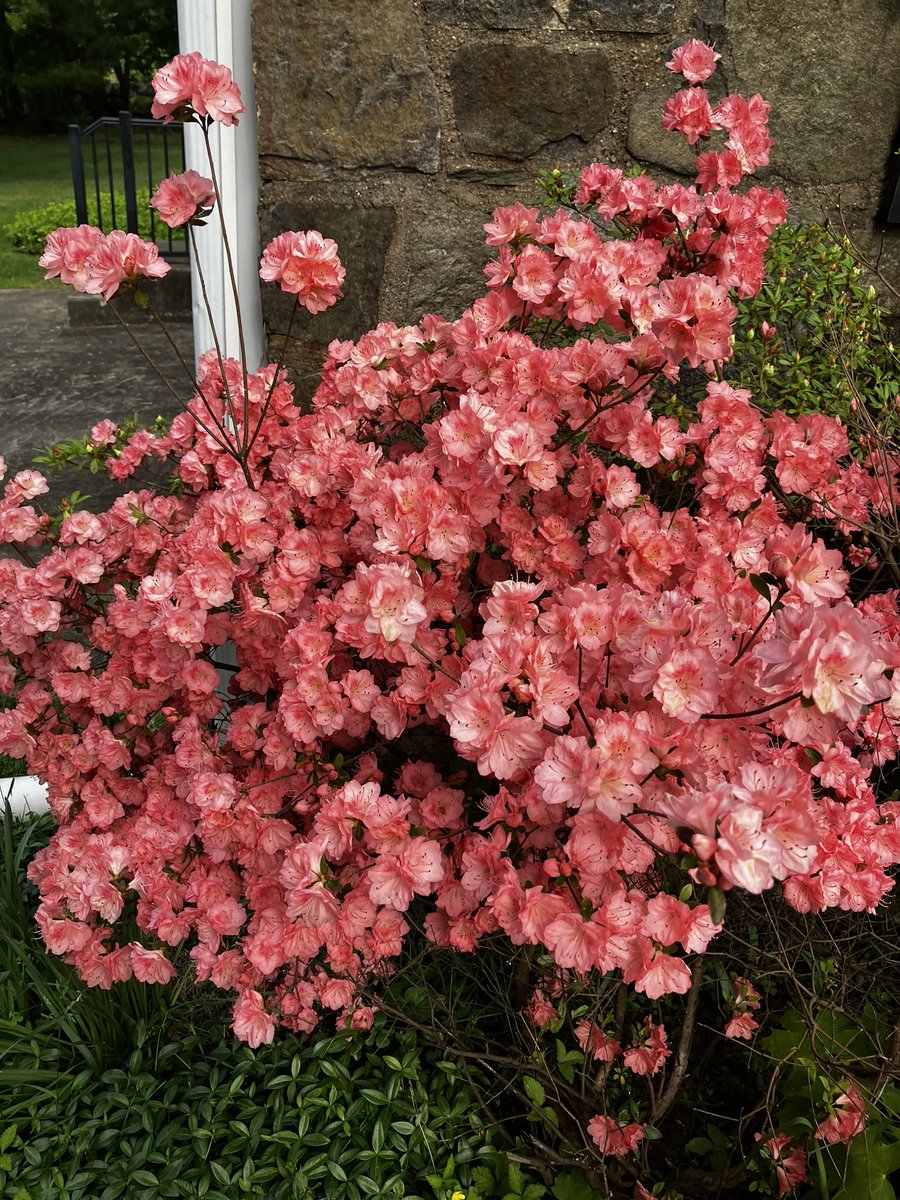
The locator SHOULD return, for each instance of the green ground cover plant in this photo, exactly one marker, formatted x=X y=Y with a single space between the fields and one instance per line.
x=28 y=230
x=816 y=337
x=134 y=1093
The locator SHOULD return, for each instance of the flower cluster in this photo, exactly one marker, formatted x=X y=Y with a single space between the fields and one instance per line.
x=305 y=265
x=509 y=645
x=98 y=263
x=204 y=88
x=183 y=199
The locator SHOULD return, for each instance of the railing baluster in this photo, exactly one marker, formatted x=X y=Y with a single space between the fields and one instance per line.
x=81 y=215
x=126 y=124
x=111 y=177
x=125 y=141
x=96 y=179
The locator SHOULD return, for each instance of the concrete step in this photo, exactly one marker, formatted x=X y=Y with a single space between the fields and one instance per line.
x=170 y=298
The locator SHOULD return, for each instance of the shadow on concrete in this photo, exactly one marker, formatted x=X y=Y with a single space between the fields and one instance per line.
x=57 y=379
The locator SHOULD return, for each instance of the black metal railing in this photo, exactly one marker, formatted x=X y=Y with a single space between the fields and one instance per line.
x=114 y=165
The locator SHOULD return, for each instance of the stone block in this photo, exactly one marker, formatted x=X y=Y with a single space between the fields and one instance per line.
x=446 y=258
x=623 y=16
x=345 y=83
x=512 y=100
x=648 y=142
x=363 y=236
x=492 y=14
x=834 y=94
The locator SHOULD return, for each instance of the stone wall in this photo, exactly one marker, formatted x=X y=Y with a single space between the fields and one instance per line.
x=397 y=126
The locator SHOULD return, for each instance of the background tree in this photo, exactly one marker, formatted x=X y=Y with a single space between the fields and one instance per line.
x=63 y=62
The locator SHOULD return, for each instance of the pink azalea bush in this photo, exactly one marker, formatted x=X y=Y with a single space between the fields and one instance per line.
x=599 y=644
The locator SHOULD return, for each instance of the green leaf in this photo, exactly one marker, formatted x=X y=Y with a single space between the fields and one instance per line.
x=7 y=1137
x=515 y=1177
x=761 y=585
x=145 y=1178
x=715 y=898
x=337 y=1171
x=699 y=1146
x=869 y=1163
x=534 y=1090
x=572 y=1185
x=220 y=1174
x=534 y=1191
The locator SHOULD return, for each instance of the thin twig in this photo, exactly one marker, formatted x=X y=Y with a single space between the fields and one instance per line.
x=682 y=1054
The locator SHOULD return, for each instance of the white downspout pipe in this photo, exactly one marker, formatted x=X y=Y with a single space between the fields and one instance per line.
x=24 y=794
x=220 y=30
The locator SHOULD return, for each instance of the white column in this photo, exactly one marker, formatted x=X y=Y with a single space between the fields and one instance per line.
x=220 y=30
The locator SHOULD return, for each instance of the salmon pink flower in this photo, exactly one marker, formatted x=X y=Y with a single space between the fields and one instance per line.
x=67 y=254
x=396 y=877
x=614 y=1137
x=695 y=60
x=182 y=199
x=307 y=266
x=150 y=966
x=122 y=258
x=206 y=87
x=648 y=1056
x=789 y=1161
x=847 y=1118
x=689 y=113
x=252 y=1023
x=594 y=1041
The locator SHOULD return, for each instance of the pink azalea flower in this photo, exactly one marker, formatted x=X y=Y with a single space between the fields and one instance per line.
x=206 y=87
x=150 y=966
x=689 y=113
x=68 y=253
x=252 y=1023
x=594 y=1041
x=181 y=199
x=695 y=60
x=307 y=266
x=847 y=1118
x=648 y=1057
x=122 y=258
x=613 y=1137
x=789 y=1161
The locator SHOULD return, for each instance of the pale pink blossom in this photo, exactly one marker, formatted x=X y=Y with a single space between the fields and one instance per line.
x=695 y=60
x=181 y=199
x=307 y=266
x=206 y=86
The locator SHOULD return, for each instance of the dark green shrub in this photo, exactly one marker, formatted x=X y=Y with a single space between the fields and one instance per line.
x=815 y=338
x=28 y=230
x=340 y=1117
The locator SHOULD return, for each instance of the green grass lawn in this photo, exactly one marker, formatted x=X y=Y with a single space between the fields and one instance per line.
x=35 y=172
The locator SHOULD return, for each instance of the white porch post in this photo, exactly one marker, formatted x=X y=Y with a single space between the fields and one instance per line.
x=220 y=30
